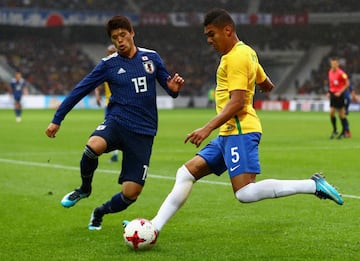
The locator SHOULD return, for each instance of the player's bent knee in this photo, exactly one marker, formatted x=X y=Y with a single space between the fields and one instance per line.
x=244 y=195
x=183 y=175
x=131 y=190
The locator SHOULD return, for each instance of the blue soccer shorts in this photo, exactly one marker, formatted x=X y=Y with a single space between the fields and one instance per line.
x=17 y=97
x=237 y=154
x=136 y=150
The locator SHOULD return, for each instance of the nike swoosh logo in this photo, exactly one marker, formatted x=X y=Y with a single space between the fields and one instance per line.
x=234 y=168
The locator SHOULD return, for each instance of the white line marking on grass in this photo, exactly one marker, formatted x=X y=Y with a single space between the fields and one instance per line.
x=350 y=196
x=56 y=166
x=306 y=148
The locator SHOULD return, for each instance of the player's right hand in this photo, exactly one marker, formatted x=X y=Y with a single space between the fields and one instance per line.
x=51 y=130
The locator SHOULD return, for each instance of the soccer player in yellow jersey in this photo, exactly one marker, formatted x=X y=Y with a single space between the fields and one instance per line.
x=235 y=149
x=109 y=50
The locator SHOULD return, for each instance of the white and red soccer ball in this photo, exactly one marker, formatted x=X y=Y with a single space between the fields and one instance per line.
x=140 y=234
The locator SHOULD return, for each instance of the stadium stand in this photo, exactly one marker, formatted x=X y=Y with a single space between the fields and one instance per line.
x=154 y=6
x=52 y=67
x=54 y=60
x=309 y=6
x=84 y=5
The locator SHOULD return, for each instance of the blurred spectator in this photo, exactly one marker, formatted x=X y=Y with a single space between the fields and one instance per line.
x=310 y=6
x=265 y=6
x=52 y=67
x=55 y=62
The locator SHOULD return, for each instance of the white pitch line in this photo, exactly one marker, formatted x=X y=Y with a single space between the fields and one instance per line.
x=56 y=166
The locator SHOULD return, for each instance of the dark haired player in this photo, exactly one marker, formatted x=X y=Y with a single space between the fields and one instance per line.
x=235 y=149
x=131 y=119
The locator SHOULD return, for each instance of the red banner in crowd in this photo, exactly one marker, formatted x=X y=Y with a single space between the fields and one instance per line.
x=154 y=19
x=272 y=105
x=290 y=19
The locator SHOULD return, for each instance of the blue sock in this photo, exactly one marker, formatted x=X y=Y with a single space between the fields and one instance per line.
x=88 y=165
x=345 y=124
x=17 y=112
x=117 y=203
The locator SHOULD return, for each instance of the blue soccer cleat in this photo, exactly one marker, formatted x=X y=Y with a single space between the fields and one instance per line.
x=125 y=223
x=73 y=197
x=95 y=220
x=324 y=190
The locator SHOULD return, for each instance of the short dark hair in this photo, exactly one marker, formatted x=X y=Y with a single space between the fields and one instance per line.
x=219 y=18
x=118 y=21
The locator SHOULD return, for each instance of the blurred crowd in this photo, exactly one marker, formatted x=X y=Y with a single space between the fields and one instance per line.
x=349 y=60
x=311 y=6
x=105 y=5
x=264 y=6
x=51 y=66
x=54 y=65
x=55 y=62
x=130 y=6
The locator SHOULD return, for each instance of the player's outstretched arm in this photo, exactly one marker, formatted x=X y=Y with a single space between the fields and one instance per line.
x=51 y=130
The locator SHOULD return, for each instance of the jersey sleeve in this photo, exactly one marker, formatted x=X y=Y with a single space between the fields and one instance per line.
x=260 y=74
x=84 y=87
x=344 y=76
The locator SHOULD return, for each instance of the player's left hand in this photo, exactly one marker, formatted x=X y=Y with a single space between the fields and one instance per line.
x=51 y=130
x=175 y=83
x=198 y=136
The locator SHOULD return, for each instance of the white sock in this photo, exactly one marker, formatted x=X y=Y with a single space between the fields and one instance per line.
x=176 y=198
x=272 y=188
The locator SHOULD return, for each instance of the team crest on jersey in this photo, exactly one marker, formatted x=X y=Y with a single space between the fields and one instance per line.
x=229 y=127
x=101 y=127
x=149 y=66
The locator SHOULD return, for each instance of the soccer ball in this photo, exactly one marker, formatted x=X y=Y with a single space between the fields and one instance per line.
x=140 y=233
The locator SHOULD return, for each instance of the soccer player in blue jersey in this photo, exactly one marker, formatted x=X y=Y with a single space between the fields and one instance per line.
x=235 y=149
x=131 y=119
x=18 y=88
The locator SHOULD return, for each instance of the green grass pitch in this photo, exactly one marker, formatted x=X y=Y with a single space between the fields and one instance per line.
x=35 y=173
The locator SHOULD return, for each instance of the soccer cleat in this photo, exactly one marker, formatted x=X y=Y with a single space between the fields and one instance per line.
x=347 y=134
x=95 y=220
x=73 y=197
x=333 y=135
x=125 y=223
x=341 y=136
x=324 y=190
x=114 y=158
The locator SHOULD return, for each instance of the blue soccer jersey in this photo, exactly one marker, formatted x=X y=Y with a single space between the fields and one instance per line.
x=132 y=82
x=17 y=87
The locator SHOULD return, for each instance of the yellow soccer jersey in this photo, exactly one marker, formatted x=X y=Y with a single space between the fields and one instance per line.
x=239 y=69
x=107 y=93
